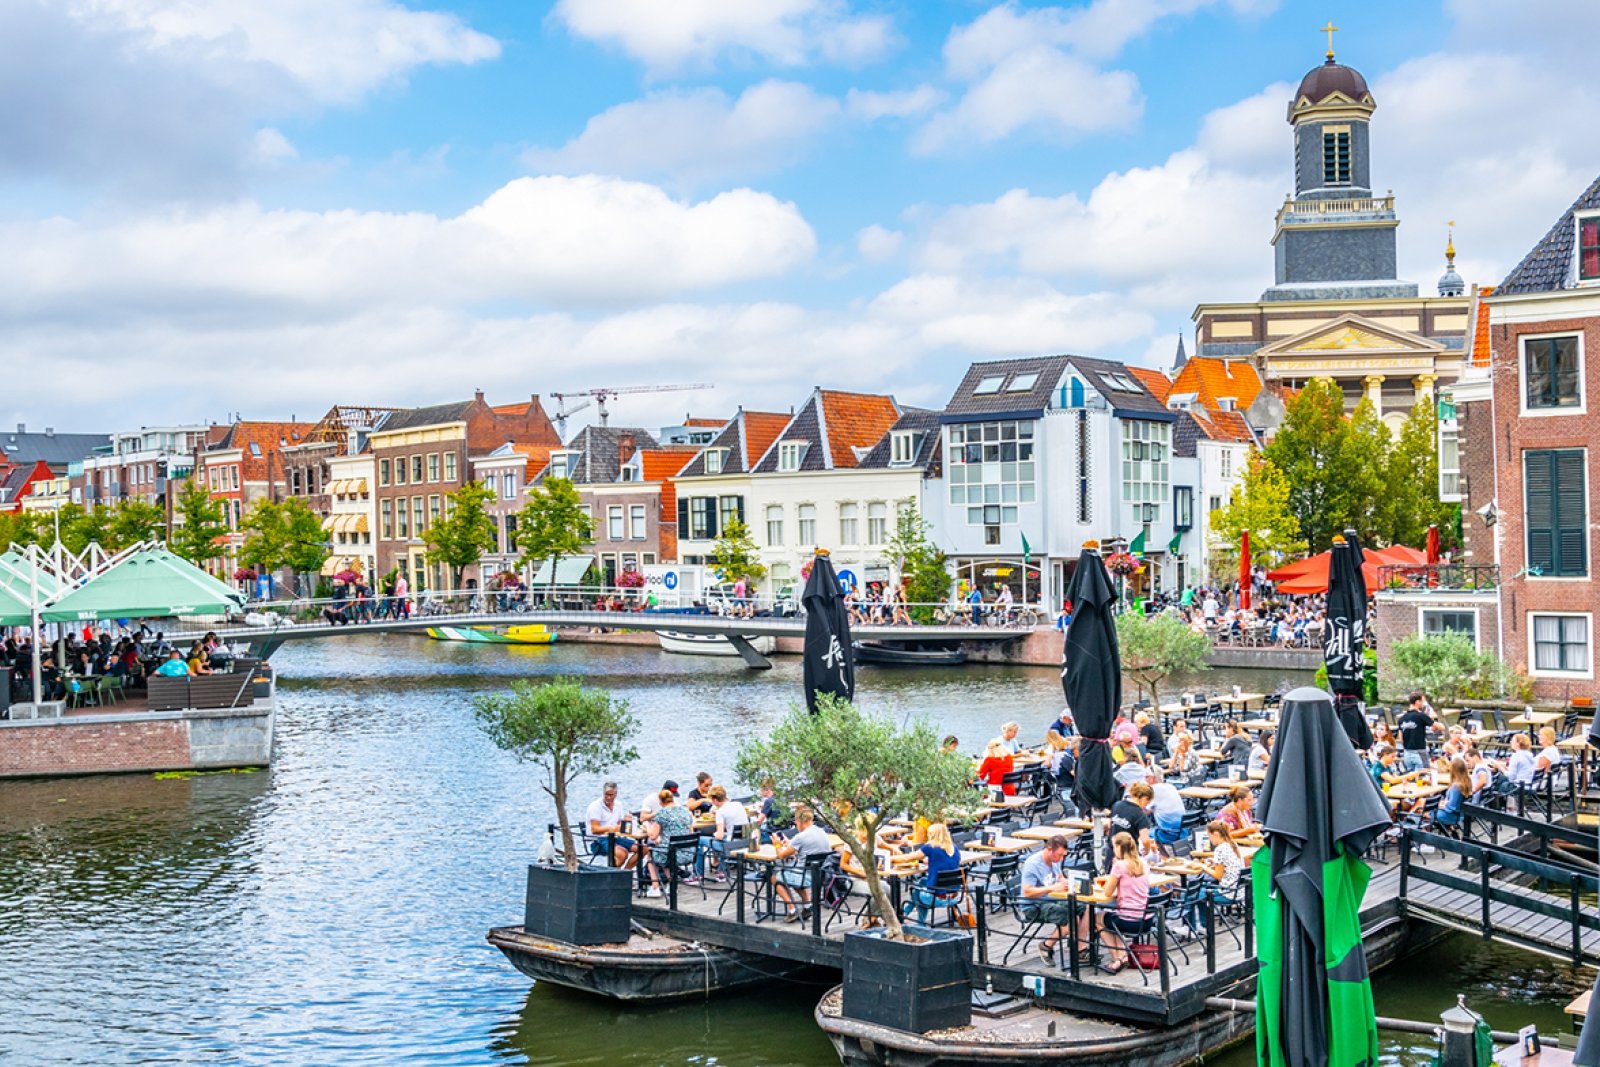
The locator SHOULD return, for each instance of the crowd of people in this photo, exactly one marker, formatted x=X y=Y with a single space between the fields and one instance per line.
x=128 y=653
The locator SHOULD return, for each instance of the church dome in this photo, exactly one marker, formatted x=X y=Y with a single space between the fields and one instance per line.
x=1322 y=82
x=1451 y=283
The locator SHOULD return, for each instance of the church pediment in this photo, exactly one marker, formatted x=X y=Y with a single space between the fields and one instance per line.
x=1353 y=335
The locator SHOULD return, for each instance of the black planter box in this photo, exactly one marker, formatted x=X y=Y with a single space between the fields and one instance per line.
x=589 y=906
x=914 y=986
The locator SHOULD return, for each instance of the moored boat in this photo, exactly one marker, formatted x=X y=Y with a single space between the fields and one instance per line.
x=908 y=654
x=644 y=969
x=709 y=644
x=525 y=634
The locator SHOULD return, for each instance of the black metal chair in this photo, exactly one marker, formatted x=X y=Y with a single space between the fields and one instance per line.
x=679 y=856
x=1002 y=881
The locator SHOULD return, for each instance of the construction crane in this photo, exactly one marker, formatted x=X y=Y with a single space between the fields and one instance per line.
x=598 y=397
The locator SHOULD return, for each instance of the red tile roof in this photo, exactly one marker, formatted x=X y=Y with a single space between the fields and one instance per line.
x=854 y=420
x=761 y=428
x=1158 y=384
x=1211 y=379
x=269 y=438
x=713 y=423
x=1480 y=354
x=1223 y=425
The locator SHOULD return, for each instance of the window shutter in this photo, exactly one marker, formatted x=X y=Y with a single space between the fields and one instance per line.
x=683 y=517
x=1539 y=473
x=713 y=516
x=1571 y=526
x=741 y=509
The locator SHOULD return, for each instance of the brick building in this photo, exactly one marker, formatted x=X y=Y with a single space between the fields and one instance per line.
x=421 y=457
x=143 y=464
x=241 y=464
x=508 y=471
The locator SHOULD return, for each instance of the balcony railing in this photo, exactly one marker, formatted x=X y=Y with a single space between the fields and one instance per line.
x=1294 y=211
x=1439 y=577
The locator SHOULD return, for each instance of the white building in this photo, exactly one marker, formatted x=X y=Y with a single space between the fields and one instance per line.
x=352 y=515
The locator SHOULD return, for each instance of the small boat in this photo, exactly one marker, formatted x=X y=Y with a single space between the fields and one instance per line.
x=908 y=654
x=709 y=644
x=527 y=634
x=659 y=968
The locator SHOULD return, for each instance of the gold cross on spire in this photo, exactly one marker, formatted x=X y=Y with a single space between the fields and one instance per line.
x=1330 y=29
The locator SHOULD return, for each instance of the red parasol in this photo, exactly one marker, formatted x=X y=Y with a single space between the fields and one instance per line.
x=1307 y=576
x=1244 y=570
x=1433 y=544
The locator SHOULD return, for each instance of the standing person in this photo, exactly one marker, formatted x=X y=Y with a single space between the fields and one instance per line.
x=402 y=600
x=975 y=602
x=1414 y=727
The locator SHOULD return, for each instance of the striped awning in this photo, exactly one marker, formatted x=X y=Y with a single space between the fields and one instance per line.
x=346 y=523
x=347 y=487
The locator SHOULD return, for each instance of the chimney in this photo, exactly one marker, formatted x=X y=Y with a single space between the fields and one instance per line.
x=478 y=395
x=49 y=431
x=22 y=427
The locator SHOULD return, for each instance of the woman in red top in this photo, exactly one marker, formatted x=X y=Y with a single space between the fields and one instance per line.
x=997 y=763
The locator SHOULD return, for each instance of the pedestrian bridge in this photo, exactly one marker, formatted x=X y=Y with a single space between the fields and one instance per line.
x=265 y=634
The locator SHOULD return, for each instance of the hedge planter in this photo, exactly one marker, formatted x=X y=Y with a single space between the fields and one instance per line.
x=914 y=986
x=589 y=906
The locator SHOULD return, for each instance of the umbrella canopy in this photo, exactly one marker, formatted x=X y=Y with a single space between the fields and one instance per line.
x=14 y=609
x=1244 y=570
x=15 y=571
x=1091 y=675
x=1318 y=812
x=828 y=658
x=1344 y=638
x=1431 y=552
x=152 y=582
x=1309 y=576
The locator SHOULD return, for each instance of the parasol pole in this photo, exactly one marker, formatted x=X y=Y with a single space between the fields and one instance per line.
x=38 y=630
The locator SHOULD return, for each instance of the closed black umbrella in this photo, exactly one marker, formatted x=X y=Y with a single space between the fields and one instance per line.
x=1344 y=638
x=829 y=658
x=1318 y=813
x=1091 y=676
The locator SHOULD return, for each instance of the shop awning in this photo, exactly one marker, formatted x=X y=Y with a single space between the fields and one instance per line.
x=152 y=582
x=335 y=564
x=569 y=571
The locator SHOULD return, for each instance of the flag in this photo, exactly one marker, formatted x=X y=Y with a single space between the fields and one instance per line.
x=1136 y=548
x=1027 y=553
x=1175 y=545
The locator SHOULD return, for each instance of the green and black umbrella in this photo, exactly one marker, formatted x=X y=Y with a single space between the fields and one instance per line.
x=1318 y=813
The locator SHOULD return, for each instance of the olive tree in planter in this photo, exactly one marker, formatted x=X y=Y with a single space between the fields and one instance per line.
x=857 y=771
x=568 y=730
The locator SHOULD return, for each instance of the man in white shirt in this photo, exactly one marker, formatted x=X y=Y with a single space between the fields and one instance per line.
x=732 y=822
x=1210 y=609
x=605 y=818
x=1008 y=737
x=809 y=840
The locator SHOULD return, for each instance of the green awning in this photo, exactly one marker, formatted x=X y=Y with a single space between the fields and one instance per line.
x=15 y=571
x=569 y=571
x=14 y=609
x=153 y=583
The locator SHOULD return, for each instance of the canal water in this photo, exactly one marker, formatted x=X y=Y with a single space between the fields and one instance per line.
x=332 y=910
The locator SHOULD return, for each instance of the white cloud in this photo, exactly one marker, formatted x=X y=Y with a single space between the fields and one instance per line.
x=273 y=148
x=697 y=134
x=877 y=244
x=668 y=36
x=589 y=240
x=338 y=50
x=1038 y=88
x=872 y=106
x=1003 y=316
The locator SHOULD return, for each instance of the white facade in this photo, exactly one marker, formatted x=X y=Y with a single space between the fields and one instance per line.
x=352 y=520
x=1222 y=466
x=851 y=512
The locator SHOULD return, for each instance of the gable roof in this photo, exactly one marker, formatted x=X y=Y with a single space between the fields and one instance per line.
x=1221 y=425
x=1210 y=379
x=433 y=415
x=266 y=436
x=744 y=439
x=1479 y=354
x=839 y=427
x=600 y=450
x=1548 y=265
x=968 y=405
x=1101 y=374
x=1158 y=384
x=913 y=420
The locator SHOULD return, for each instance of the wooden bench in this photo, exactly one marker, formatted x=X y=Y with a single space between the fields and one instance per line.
x=201 y=691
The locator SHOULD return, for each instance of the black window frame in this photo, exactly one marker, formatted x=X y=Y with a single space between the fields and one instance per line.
x=1442 y=614
x=1182 y=507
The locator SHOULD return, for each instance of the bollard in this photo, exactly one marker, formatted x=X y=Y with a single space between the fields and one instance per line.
x=1464 y=1041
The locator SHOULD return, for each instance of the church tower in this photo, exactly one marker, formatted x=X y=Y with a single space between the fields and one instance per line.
x=1334 y=240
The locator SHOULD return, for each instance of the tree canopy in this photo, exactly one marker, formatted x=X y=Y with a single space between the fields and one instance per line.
x=1260 y=504
x=565 y=728
x=736 y=555
x=201 y=522
x=858 y=770
x=1410 y=502
x=1156 y=647
x=284 y=534
x=461 y=536
x=919 y=562
x=553 y=524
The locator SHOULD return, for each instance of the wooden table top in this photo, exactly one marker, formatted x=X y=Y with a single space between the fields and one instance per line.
x=1242 y=698
x=1045 y=833
x=1536 y=718
x=1093 y=895
x=1074 y=824
x=1205 y=792
x=1414 y=790
x=1005 y=844
x=1259 y=724
x=1573 y=744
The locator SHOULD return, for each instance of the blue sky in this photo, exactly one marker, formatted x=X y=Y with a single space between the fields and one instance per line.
x=274 y=205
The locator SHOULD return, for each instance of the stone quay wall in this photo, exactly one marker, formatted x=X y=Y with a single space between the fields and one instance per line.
x=138 y=741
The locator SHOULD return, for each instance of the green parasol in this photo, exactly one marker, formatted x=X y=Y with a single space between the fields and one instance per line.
x=149 y=583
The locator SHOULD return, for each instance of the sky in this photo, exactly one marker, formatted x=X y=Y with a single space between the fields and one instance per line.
x=272 y=206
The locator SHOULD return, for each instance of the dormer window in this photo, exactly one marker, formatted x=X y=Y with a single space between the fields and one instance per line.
x=628 y=474
x=903 y=445
x=989 y=385
x=791 y=454
x=714 y=460
x=560 y=465
x=1589 y=249
x=1227 y=403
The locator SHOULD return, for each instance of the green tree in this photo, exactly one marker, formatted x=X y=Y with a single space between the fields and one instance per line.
x=82 y=527
x=1448 y=667
x=566 y=729
x=19 y=528
x=919 y=562
x=1156 y=647
x=465 y=532
x=856 y=771
x=735 y=554
x=133 y=521
x=1410 y=496
x=1259 y=504
x=200 y=523
x=305 y=547
x=1314 y=448
x=553 y=524
x=266 y=537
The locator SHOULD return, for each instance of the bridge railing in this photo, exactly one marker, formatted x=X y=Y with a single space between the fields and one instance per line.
x=447 y=605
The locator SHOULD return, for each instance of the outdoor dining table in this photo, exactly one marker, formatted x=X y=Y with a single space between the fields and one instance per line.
x=1414 y=791
x=1095 y=897
x=1045 y=833
x=1075 y=823
x=1205 y=792
x=1535 y=719
x=1010 y=804
x=1243 y=700
x=1259 y=724
x=1004 y=844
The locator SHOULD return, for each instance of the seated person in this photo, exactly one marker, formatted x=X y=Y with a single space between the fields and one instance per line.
x=1183 y=762
x=1522 y=765
x=199 y=661
x=1062 y=727
x=1237 y=813
x=175 y=667
x=699 y=802
x=770 y=816
x=997 y=763
x=1041 y=876
x=1166 y=809
x=1449 y=813
x=1151 y=743
x=808 y=840
x=605 y=817
x=941 y=855
x=1235 y=746
x=1008 y=738
x=1260 y=755
x=1131 y=816
x=732 y=824
x=1549 y=755
x=1128 y=885
x=1223 y=871
x=668 y=820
